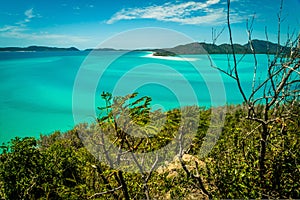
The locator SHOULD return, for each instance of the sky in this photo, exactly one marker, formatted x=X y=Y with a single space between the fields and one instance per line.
x=88 y=23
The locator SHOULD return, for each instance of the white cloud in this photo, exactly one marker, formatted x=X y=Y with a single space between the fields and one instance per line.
x=61 y=39
x=7 y=28
x=185 y=13
x=29 y=13
x=21 y=30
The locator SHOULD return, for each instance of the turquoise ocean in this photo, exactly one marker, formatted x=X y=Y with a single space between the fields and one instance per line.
x=42 y=92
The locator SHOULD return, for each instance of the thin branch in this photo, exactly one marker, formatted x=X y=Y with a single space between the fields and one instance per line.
x=282 y=84
x=105 y=180
x=97 y=195
x=220 y=69
x=279 y=27
x=152 y=168
x=264 y=83
x=252 y=131
x=216 y=36
x=249 y=31
x=233 y=53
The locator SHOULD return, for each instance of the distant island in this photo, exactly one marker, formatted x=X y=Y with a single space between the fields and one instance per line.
x=105 y=49
x=38 y=48
x=260 y=47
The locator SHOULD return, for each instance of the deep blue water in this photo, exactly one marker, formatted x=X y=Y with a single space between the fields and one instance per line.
x=45 y=91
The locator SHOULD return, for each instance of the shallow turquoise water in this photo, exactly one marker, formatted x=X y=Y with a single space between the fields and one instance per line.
x=42 y=91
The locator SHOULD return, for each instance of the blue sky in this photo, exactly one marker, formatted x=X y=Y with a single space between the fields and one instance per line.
x=86 y=23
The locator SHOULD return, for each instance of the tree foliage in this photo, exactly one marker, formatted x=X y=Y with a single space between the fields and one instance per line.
x=59 y=166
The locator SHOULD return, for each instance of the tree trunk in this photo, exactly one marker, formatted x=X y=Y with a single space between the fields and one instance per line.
x=262 y=155
x=124 y=185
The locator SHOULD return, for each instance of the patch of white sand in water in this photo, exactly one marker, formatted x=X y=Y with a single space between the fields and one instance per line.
x=150 y=55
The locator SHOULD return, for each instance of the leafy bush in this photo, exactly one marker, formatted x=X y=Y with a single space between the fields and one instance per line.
x=59 y=166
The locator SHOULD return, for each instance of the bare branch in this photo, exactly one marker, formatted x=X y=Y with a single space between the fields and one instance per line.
x=97 y=195
x=279 y=27
x=233 y=53
x=215 y=36
x=220 y=69
x=249 y=31
x=282 y=84
x=152 y=168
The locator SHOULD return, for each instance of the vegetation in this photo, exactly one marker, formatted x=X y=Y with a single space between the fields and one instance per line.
x=161 y=52
x=270 y=102
x=260 y=46
x=132 y=152
x=67 y=166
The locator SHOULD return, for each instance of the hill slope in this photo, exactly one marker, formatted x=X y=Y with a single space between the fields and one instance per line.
x=260 y=47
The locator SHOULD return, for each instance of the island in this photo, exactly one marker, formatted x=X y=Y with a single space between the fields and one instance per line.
x=37 y=48
x=260 y=47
